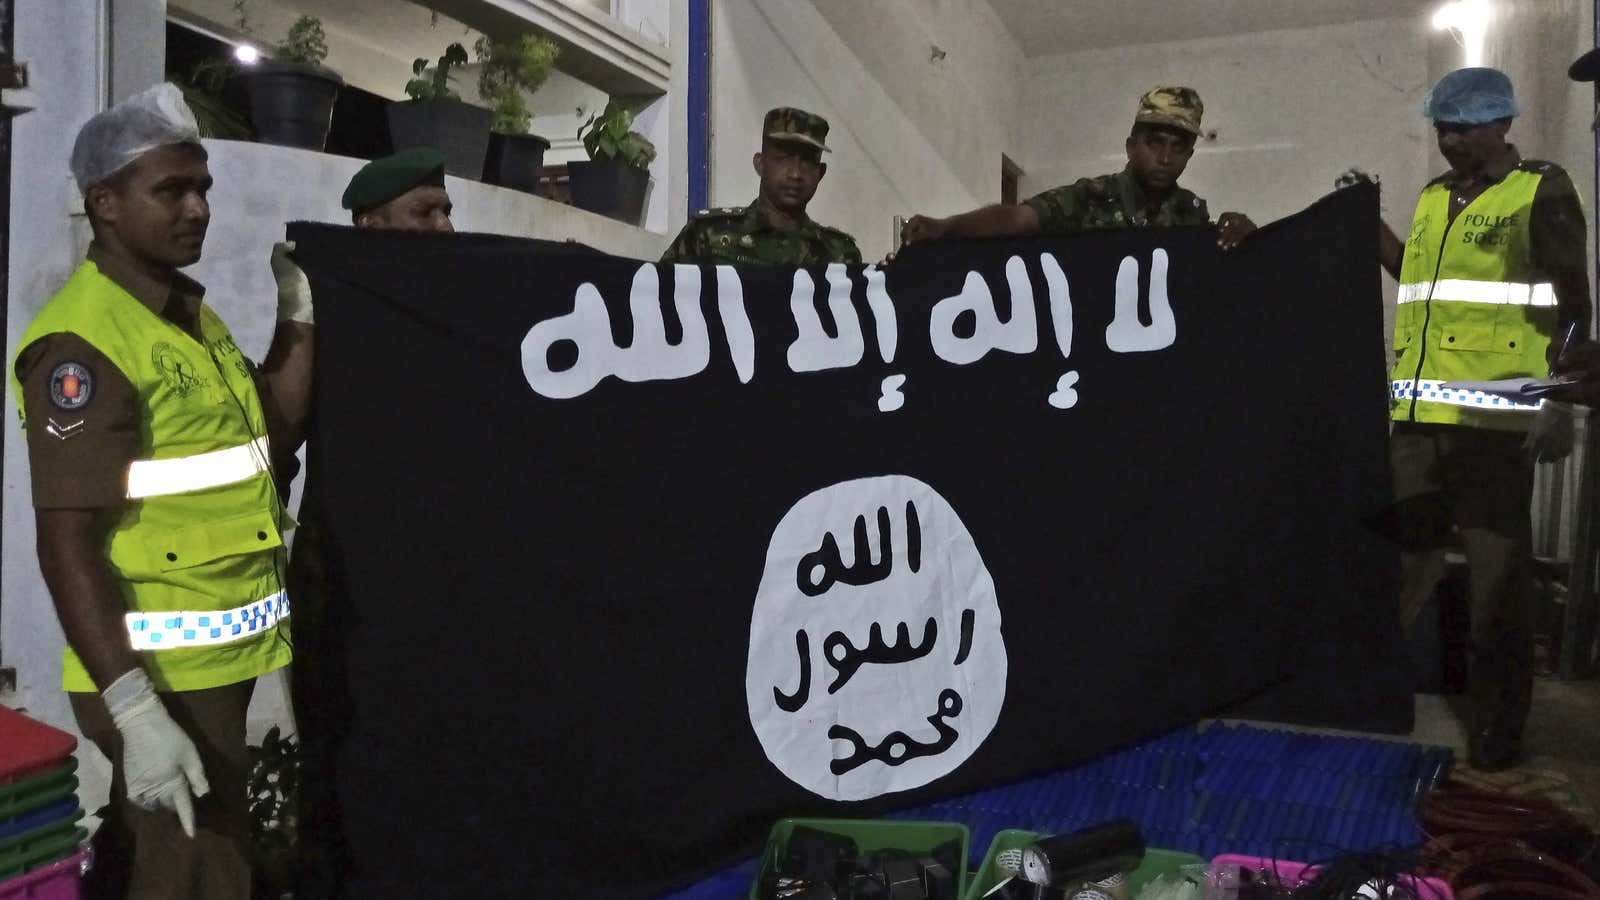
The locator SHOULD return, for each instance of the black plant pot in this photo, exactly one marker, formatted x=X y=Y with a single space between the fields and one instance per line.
x=515 y=160
x=291 y=104
x=609 y=187
x=458 y=130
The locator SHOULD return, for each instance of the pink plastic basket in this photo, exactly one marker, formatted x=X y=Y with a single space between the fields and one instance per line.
x=1291 y=872
x=57 y=881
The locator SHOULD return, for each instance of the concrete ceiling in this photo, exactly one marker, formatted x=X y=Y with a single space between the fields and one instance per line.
x=1046 y=27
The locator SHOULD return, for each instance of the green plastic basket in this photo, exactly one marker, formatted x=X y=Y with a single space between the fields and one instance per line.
x=37 y=792
x=1156 y=863
x=869 y=835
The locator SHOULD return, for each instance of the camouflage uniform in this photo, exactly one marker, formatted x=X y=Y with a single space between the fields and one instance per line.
x=743 y=236
x=1112 y=201
x=1118 y=201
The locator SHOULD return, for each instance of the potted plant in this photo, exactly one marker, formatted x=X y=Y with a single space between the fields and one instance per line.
x=292 y=94
x=614 y=179
x=436 y=117
x=203 y=88
x=510 y=69
x=274 y=787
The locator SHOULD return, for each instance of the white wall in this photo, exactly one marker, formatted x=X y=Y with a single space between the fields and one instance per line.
x=1291 y=111
x=61 y=42
x=908 y=133
x=1533 y=41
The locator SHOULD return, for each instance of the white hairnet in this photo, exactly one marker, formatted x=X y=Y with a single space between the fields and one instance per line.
x=157 y=117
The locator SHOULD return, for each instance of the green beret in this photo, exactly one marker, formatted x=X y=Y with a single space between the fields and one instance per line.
x=384 y=179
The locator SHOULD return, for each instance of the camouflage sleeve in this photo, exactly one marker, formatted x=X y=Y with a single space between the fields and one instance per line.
x=683 y=249
x=845 y=249
x=1060 y=209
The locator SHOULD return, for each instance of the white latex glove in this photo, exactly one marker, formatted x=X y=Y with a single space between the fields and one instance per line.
x=294 y=291
x=1550 y=438
x=159 y=763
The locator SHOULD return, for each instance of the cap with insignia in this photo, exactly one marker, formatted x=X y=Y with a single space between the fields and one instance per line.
x=384 y=179
x=789 y=124
x=1174 y=107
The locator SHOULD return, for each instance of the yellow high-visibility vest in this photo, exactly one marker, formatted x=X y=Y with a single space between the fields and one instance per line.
x=198 y=548
x=1470 y=307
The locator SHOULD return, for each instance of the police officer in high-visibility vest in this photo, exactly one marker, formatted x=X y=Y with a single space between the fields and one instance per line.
x=160 y=526
x=1493 y=281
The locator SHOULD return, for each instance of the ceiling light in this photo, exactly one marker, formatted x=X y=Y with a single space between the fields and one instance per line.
x=1468 y=22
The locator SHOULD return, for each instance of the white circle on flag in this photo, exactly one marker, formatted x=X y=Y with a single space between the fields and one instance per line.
x=876 y=659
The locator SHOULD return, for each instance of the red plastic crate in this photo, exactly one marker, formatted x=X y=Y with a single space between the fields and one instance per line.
x=58 y=881
x=30 y=748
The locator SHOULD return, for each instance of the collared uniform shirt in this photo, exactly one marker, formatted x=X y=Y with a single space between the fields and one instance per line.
x=742 y=236
x=79 y=458
x=1112 y=201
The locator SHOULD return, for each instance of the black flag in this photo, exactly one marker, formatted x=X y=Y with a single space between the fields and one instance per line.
x=642 y=557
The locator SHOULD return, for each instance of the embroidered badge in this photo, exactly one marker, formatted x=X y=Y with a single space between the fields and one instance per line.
x=63 y=431
x=175 y=369
x=71 y=386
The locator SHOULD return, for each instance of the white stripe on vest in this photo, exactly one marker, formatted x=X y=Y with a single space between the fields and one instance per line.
x=179 y=475
x=166 y=630
x=1504 y=293
x=1430 y=391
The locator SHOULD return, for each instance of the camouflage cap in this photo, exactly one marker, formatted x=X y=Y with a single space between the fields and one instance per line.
x=789 y=124
x=1175 y=107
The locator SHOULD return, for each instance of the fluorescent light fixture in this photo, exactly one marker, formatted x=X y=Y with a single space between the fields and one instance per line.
x=246 y=54
x=1468 y=22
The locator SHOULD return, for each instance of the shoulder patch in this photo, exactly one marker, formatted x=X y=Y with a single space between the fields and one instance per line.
x=1540 y=167
x=71 y=386
x=1094 y=187
x=721 y=212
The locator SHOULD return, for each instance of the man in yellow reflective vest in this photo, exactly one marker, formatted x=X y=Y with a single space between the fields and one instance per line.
x=160 y=526
x=1493 y=281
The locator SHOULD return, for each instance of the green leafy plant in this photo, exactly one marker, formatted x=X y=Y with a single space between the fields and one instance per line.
x=306 y=42
x=274 y=803
x=610 y=135
x=434 y=84
x=511 y=68
x=202 y=90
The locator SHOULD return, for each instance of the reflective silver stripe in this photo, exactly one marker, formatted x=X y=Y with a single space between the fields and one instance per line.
x=159 y=477
x=166 y=630
x=1506 y=293
x=1430 y=391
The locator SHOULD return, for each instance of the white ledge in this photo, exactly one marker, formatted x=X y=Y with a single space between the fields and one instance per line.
x=596 y=48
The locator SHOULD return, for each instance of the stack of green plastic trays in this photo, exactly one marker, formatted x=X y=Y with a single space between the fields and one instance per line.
x=39 y=809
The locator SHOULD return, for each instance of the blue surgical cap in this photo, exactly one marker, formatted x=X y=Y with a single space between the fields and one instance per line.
x=1471 y=97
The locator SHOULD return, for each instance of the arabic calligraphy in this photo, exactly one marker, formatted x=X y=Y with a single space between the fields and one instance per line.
x=846 y=658
x=790 y=703
x=898 y=747
x=874 y=609
x=568 y=355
